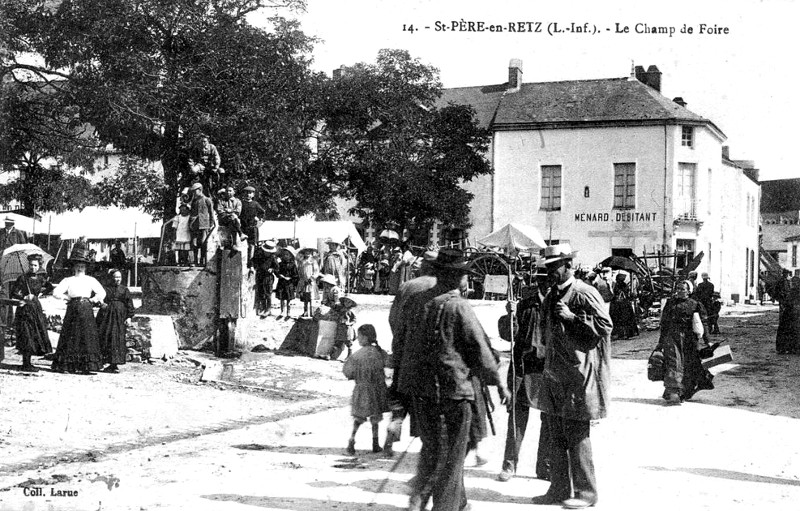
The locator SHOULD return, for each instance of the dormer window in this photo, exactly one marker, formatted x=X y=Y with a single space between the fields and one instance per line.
x=687 y=136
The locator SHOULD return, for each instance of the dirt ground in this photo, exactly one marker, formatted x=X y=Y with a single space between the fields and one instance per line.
x=272 y=436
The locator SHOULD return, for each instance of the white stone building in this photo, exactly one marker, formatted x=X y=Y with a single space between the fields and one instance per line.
x=614 y=167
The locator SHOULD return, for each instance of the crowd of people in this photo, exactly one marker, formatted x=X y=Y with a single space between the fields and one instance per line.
x=561 y=327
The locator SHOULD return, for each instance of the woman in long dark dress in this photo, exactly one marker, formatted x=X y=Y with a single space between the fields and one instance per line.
x=78 y=349
x=265 y=262
x=680 y=341
x=113 y=320
x=30 y=324
x=788 y=337
x=621 y=310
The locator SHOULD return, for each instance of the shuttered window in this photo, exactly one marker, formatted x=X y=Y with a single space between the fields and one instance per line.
x=624 y=185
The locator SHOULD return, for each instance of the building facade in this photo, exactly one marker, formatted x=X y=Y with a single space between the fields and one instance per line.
x=615 y=168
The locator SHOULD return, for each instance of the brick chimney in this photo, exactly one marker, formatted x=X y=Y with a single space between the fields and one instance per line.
x=679 y=100
x=651 y=77
x=726 y=153
x=514 y=75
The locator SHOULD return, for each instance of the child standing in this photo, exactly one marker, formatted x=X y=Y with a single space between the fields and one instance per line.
x=307 y=268
x=365 y=366
x=183 y=237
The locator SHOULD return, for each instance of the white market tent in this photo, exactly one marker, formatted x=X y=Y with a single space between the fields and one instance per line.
x=308 y=232
x=105 y=223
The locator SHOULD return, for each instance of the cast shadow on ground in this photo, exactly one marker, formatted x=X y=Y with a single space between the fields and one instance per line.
x=404 y=464
x=299 y=504
x=640 y=400
x=728 y=474
x=390 y=486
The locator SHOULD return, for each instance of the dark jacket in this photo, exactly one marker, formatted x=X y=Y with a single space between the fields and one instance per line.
x=250 y=211
x=576 y=379
x=202 y=213
x=11 y=237
x=441 y=341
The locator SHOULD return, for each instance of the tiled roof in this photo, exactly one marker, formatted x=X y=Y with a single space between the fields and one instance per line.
x=483 y=99
x=605 y=101
x=773 y=236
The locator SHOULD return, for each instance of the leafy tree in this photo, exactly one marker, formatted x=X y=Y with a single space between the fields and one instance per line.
x=401 y=154
x=40 y=133
x=150 y=75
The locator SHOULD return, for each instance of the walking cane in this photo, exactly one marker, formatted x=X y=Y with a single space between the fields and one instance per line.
x=513 y=390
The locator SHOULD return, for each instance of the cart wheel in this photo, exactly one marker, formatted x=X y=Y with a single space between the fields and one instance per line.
x=487 y=264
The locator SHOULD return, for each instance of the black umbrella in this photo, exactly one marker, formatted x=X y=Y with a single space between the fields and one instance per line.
x=620 y=263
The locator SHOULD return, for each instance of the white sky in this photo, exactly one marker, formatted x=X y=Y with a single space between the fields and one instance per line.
x=744 y=82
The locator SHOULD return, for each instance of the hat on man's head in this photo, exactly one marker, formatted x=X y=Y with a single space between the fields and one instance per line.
x=331 y=241
x=10 y=219
x=197 y=186
x=270 y=244
x=555 y=253
x=451 y=259
x=248 y=188
x=704 y=275
x=35 y=257
x=347 y=302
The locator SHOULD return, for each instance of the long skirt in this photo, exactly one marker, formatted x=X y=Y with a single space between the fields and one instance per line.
x=111 y=330
x=30 y=327
x=788 y=337
x=624 y=319
x=78 y=346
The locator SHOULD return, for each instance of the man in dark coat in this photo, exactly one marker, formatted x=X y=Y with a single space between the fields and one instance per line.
x=201 y=223
x=251 y=216
x=265 y=261
x=204 y=164
x=525 y=380
x=11 y=235
x=441 y=341
x=576 y=332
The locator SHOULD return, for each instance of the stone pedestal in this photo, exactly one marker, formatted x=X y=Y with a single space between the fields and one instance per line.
x=191 y=297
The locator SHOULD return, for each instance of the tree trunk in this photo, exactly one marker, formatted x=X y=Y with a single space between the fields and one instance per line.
x=171 y=161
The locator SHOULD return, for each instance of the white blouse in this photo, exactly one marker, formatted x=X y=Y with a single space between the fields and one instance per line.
x=79 y=287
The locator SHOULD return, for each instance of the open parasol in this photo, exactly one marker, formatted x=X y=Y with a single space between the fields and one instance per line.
x=514 y=238
x=14 y=261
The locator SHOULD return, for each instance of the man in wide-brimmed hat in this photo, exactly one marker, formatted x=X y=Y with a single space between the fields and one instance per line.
x=265 y=261
x=576 y=332
x=438 y=342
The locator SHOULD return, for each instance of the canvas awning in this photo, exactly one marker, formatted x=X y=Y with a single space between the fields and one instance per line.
x=105 y=223
x=26 y=224
x=308 y=232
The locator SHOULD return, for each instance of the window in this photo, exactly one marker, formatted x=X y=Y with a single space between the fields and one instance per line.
x=685 y=200
x=551 y=187
x=685 y=253
x=624 y=185
x=794 y=255
x=687 y=136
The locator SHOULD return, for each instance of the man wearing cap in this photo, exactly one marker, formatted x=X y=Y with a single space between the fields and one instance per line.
x=439 y=342
x=201 y=223
x=576 y=332
x=605 y=287
x=204 y=164
x=335 y=263
x=251 y=215
x=11 y=235
x=228 y=210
